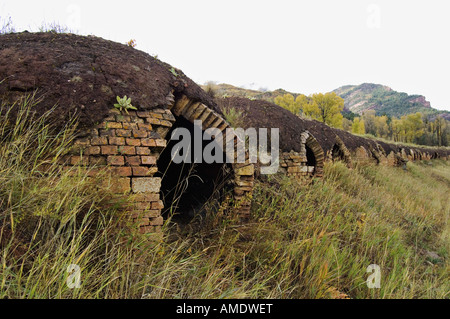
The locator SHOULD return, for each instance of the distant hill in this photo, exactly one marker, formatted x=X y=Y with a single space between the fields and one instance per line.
x=228 y=90
x=384 y=100
x=358 y=98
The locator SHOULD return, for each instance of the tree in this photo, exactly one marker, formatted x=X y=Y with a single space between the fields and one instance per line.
x=325 y=108
x=396 y=128
x=381 y=126
x=440 y=125
x=347 y=124
x=414 y=127
x=408 y=128
x=369 y=122
x=358 y=126
x=288 y=102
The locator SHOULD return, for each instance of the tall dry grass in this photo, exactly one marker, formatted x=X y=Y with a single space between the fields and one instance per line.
x=311 y=241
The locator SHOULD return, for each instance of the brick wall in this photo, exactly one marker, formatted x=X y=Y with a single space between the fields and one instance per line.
x=296 y=163
x=128 y=144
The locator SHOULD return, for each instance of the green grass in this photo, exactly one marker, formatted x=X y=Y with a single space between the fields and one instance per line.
x=312 y=241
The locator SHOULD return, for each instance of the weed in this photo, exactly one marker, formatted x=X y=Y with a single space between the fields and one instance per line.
x=124 y=104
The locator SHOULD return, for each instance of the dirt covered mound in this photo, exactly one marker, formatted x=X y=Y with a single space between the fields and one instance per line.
x=84 y=75
x=260 y=113
x=263 y=114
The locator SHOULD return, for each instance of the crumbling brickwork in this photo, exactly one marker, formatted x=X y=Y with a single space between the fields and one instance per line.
x=298 y=165
x=128 y=145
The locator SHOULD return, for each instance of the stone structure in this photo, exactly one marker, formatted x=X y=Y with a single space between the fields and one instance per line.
x=128 y=145
x=82 y=76
x=306 y=163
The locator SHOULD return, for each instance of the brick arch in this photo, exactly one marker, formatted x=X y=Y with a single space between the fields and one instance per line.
x=341 y=152
x=376 y=154
x=243 y=172
x=317 y=151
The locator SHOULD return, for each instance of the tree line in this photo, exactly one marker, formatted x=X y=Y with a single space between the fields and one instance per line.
x=328 y=108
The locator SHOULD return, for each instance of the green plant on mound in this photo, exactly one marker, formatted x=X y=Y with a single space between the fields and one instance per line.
x=175 y=73
x=124 y=104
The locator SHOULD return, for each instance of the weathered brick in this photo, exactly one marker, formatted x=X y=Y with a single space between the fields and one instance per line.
x=132 y=113
x=133 y=160
x=142 y=206
x=109 y=132
x=146 y=184
x=123 y=118
x=123 y=133
x=137 y=120
x=161 y=143
x=145 y=213
x=130 y=126
x=143 y=221
x=140 y=133
x=141 y=171
x=116 y=160
x=153 y=121
x=143 y=113
x=157 y=205
x=146 y=127
x=93 y=132
x=165 y=123
x=118 y=185
x=142 y=150
x=113 y=125
x=121 y=171
x=93 y=150
x=156 y=115
x=169 y=116
x=82 y=141
x=102 y=140
x=148 y=142
x=97 y=160
x=246 y=170
x=79 y=160
x=91 y=172
x=133 y=141
x=109 y=150
x=116 y=141
x=148 y=160
x=158 y=221
x=146 y=197
x=127 y=150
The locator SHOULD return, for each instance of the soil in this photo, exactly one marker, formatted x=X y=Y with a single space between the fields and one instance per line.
x=83 y=75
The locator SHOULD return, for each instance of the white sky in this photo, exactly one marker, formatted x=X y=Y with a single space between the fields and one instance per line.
x=301 y=46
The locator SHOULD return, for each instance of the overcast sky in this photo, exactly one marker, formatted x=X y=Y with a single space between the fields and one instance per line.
x=300 y=46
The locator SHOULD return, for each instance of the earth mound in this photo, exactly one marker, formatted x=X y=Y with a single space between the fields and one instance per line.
x=83 y=75
x=264 y=114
